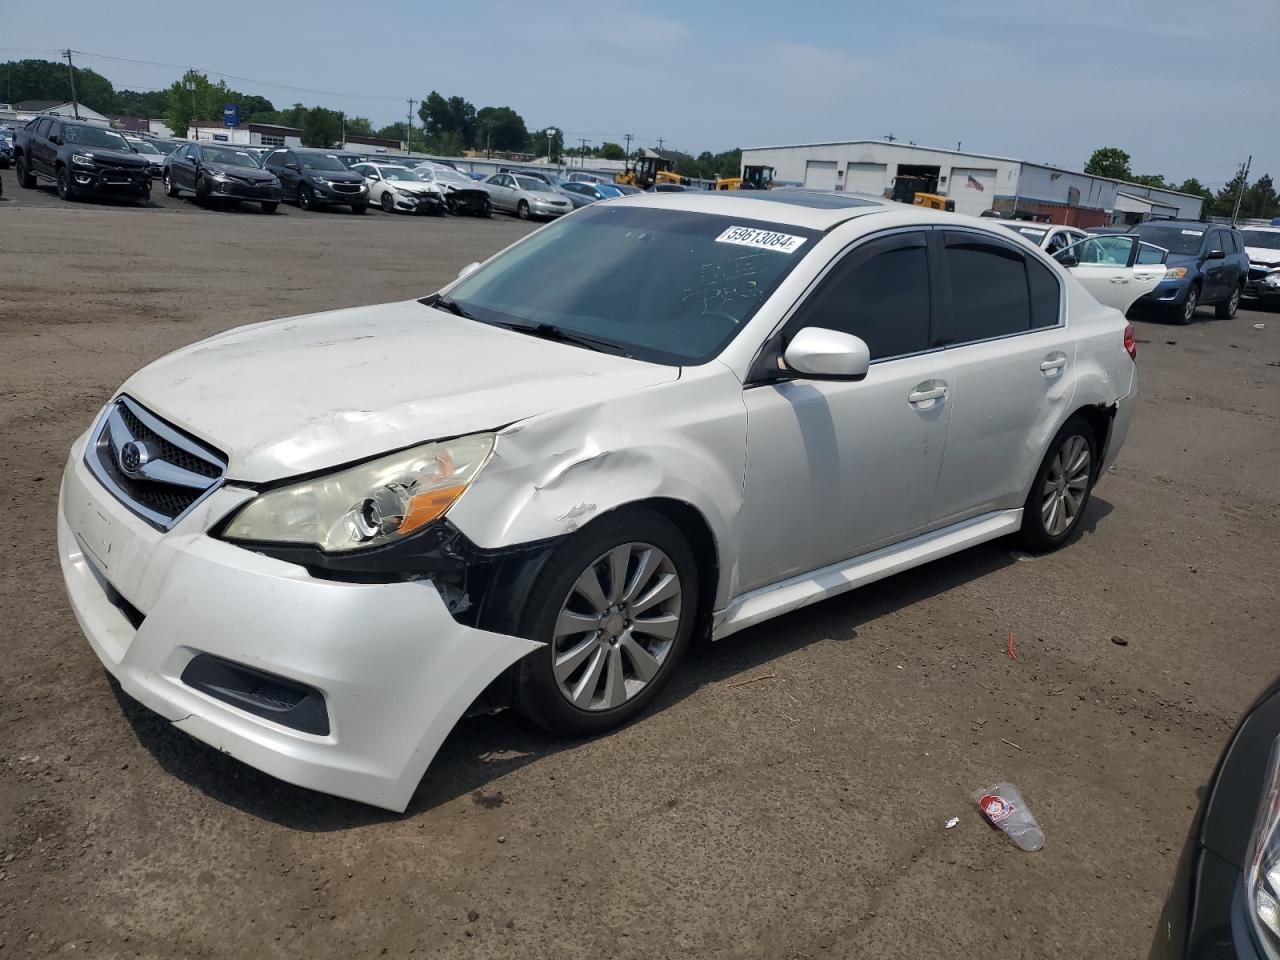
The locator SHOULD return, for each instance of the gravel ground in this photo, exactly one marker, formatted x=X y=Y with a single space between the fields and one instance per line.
x=799 y=816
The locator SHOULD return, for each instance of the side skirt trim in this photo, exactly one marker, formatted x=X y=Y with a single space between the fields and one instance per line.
x=765 y=602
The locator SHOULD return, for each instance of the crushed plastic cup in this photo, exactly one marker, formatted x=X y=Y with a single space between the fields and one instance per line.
x=1002 y=805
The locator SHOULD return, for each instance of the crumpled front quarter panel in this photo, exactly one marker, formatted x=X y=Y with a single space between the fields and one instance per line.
x=553 y=474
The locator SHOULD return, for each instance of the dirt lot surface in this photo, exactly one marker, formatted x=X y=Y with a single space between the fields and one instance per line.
x=798 y=816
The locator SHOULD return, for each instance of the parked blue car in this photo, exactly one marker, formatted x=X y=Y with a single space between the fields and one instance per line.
x=1207 y=265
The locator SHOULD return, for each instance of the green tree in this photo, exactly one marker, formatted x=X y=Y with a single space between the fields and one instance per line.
x=1260 y=200
x=1194 y=186
x=360 y=126
x=449 y=144
x=442 y=116
x=611 y=151
x=141 y=103
x=1109 y=162
x=392 y=131
x=194 y=98
x=50 y=80
x=1224 y=201
x=1148 y=179
x=501 y=128
x=321 y=127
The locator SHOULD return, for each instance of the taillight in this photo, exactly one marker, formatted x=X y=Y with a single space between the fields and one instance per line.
x=1130 y=344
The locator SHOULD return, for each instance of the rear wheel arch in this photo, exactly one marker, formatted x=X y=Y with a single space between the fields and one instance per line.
x=1100 y=417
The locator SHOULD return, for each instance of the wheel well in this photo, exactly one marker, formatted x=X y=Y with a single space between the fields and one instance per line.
x=703 y=544
x=1099 y=417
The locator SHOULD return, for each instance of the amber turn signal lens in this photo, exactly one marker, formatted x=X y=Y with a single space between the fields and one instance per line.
x=425 y=507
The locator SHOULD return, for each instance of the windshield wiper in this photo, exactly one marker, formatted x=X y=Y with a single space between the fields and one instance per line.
x=549 y=331
x=453 y=306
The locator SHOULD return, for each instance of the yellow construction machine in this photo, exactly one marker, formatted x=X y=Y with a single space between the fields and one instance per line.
x=644 y=172
x=753 y=178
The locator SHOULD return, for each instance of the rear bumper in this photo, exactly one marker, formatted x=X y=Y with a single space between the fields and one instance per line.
x=1125 y=407
x=395 y=671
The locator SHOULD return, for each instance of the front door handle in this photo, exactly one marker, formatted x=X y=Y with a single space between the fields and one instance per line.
x=926 y=393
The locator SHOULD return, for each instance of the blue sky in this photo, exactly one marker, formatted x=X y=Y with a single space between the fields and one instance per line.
x=1187 y=88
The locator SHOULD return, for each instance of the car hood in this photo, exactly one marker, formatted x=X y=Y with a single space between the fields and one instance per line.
x=412 y=186
x=337 y=176
x=1263 y=255
x=119 y=158
x=292 y=396
x=252 y=174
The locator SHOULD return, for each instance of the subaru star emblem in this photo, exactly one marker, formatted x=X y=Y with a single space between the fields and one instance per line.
x=133 y=456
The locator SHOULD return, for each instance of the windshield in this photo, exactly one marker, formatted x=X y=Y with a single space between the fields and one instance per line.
x=530 y=183
x=141 y=146
x=607 y=191
x=1184 y=241
x=321 y=161
x=1266 y=239
x=447 y=175
x=234 y=158
x=95 y=137
x=398 y=173
x=662 y=285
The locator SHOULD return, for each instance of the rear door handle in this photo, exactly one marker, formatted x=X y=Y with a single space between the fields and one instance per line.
x=1053 y=363
x=924 y=396
x=1119 y=279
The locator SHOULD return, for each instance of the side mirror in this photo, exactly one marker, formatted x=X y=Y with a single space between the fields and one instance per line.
x=827 y=355
x=469 y=269
x=1067 y=258
x=293 y=166
x=1215 y=255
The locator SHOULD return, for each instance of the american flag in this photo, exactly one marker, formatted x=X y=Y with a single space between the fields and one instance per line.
x=974 y=184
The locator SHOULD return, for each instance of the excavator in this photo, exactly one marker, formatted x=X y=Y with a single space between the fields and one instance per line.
x=644 y=172
x=753 y=178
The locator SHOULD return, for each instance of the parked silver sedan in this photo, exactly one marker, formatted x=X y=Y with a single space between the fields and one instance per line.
x=526 y=196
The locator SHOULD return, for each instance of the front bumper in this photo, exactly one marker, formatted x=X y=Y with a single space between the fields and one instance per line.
x=547 y=210
x=237 y=190
x=395 y=670
x=1169 y=292
x=88 y=179
x=418 y=202
x=330 y=195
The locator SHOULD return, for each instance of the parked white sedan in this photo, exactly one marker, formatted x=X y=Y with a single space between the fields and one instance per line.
x=1049 y=237
x=398 y=189
x=315 y=543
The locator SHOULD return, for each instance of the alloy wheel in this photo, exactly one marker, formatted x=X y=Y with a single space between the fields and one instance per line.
x=1065 y=485
x=1189 y=306
x=616 y=627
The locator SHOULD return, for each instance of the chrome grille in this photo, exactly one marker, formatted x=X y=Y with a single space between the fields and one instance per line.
x=150 y=466
x=346 y=187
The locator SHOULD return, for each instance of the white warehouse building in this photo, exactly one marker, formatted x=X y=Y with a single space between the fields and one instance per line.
x=974 y=182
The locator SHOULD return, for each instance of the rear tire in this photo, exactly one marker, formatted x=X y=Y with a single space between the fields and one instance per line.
x=26 y=179
x=633 y=666
x=269 y=206
x=1186 y=311
x=1060 y=492
x=1227 y=310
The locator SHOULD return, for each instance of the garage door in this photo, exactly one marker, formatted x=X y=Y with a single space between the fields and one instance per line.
x=973 y=189
x=865 y=178
x=820 y=174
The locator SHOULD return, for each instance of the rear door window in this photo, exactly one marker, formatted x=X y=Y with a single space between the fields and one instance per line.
x=989 y=293
x=879 y=292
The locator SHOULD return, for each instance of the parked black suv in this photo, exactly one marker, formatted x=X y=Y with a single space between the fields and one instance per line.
x=317 y=178
x=82 y=158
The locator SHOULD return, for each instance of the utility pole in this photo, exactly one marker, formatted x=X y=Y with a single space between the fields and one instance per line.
x=1244 y=178
x=890 y=137
x=75 y=104
x=582 y=157
x=408 y=143
x=659 y=144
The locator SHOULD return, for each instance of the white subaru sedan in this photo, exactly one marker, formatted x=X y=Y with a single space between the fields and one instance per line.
x=316 y=543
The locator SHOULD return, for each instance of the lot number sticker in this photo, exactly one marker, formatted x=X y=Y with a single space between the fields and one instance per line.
x=761 y=239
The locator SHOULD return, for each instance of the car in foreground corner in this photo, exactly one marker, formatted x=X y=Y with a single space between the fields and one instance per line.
x=1262 y=245
x=222 y=173
x=1223 y=902
x=316 y=543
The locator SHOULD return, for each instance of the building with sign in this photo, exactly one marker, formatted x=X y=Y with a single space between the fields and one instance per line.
x=974 y=182
x=247 y=134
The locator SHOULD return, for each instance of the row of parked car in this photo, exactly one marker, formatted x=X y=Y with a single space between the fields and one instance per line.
x=84 y=159
x=1205 y=264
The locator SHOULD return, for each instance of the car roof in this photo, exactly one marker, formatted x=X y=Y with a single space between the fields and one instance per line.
x=1189 y=224
x=1034 y=225
x=812 y=209
x=1265 y=228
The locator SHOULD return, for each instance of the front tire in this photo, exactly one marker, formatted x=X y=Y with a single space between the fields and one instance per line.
x=65 y=189
x=359 y=208
x=522 y=210
x=1187 y=311
x=487 y=209
x=1227 y=310
x=26 y=179
x=170 y=188
x=615 y=605
x=306 y=199
x=387 y=203
x=269 y=206
x=1060 y=492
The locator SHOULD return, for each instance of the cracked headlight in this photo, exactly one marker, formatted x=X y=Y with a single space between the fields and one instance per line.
x=367 y=505
x=1272 y=279
x=1262 y=866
